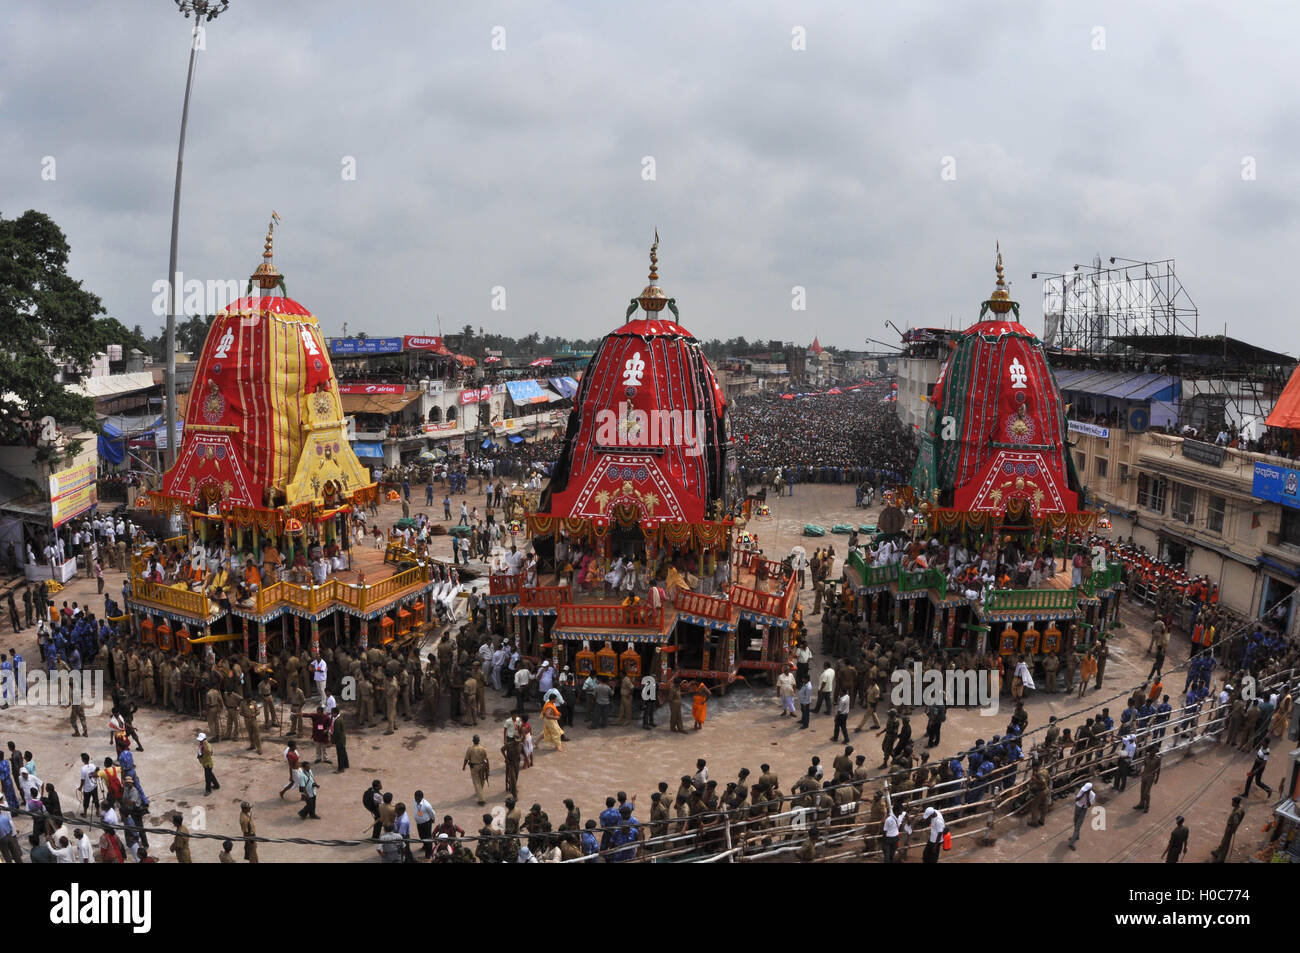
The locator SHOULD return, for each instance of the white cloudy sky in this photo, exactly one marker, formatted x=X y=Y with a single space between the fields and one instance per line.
x=522 y=168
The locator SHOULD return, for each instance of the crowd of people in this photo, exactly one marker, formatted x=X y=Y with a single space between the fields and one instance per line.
x=450 y=685
x=829 y=438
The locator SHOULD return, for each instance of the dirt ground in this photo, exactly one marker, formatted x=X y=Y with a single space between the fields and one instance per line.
x=743 y=730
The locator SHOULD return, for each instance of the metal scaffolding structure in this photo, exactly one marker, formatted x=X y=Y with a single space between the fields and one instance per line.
x=1136 y=316
x=1084 y=310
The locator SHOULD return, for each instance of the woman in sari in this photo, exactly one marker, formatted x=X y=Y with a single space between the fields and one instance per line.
x=551 y=725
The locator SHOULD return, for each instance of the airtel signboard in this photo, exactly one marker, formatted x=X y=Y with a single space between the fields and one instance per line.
x=372 y=388
x=413 y=343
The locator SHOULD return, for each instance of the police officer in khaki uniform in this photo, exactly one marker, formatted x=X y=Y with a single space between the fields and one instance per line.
x=675 y=707
x=133 y=673
x=390 y=704
x=891 y=732
x=297 y=698
x=267 y=699
x=147 y=682
x=174 y=687
x=212 y=701
x=1103 y=653
x=249 y=712
x=481 y=679
x=181 y=840
x=365 y=702
x=403 y=693
x=164 y=681
x=232 y=701
x=119 y=666
x=1039 y=795
x=1220 y=853
x=1051 y=665
x=625 y=689
x=1150 y=775
x=469 y=699
x=476 y=760
x=248 y=829
x=511 y=754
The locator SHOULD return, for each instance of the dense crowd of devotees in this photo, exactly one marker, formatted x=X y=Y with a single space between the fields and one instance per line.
x=863 y=794
x=851 y=438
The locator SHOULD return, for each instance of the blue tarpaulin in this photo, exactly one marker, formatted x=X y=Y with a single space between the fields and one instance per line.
x=487 y=444
x=515 y=439
x=564 y=386
x=112 y=447
x=368 y=448
x=525 y=392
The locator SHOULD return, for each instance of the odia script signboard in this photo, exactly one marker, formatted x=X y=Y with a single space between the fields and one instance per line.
x=72 y=492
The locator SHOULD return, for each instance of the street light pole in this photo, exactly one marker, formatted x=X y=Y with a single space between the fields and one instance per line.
x=202 y=10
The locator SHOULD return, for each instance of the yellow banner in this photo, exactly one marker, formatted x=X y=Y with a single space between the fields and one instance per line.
x=71 y=480
x=73 y=503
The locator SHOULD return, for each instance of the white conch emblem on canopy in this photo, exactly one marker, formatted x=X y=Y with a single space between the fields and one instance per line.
x=224 y=345
x=1017 y=372
x=632 y=370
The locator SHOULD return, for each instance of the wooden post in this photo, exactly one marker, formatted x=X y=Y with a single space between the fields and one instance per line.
x=315 y=637
x=261 y=643
x=297 y=642
x=244 y=624
x=365 y=634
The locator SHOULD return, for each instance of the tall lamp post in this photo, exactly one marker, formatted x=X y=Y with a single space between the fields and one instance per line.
x=203 y=10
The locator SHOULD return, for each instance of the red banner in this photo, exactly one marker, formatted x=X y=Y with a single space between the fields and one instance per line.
x=411 y=342
x=472 y=396
x=372 y=388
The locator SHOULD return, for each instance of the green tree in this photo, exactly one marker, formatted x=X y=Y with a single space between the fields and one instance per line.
x=192 y=332
x=113 y=331
x=46 y=319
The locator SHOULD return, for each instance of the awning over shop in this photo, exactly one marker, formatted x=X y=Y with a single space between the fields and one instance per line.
x=368 y=448
x=376 y=403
